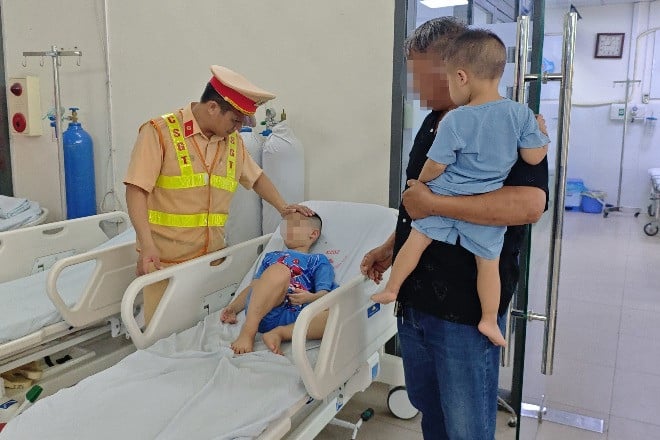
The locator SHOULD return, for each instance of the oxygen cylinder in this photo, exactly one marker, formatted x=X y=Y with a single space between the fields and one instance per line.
x=78 y=169
x=283 y=161
x=244 y=221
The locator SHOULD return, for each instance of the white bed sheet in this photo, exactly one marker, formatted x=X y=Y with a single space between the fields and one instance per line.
x=189 y=385
x=27 y=308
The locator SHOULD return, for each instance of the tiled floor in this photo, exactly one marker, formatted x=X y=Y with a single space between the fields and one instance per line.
x=607 y=347
x=607 y=352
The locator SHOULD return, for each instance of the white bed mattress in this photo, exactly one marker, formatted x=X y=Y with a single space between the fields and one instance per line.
x=27 y=308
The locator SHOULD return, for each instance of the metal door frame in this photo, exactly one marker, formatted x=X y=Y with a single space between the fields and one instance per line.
x=6 y=185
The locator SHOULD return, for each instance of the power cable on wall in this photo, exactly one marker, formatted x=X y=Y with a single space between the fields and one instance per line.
x=110 y=200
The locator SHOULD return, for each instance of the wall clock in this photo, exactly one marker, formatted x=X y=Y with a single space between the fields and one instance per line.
x=609 y=45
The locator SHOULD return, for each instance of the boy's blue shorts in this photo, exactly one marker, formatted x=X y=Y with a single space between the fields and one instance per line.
x=280 y=315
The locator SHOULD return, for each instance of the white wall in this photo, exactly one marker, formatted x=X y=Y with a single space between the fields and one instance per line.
x=595 y=145
x=330 y=63
x=34 y=25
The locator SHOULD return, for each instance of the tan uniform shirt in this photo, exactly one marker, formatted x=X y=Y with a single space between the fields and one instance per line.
x=147 y=163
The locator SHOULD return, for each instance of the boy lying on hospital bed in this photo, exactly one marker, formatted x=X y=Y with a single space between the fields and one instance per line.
x=285 y=282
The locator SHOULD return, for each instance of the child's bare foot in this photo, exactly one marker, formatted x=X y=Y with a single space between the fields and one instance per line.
x=492 y=331
x=243 y=344
x=384 y=297
x=273 y=341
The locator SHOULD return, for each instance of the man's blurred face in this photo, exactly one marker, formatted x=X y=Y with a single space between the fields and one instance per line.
x=427 y=80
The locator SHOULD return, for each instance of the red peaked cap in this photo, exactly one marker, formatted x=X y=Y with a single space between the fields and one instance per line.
x=238 y=91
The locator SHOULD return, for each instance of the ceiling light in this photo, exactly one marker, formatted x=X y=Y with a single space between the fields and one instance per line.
x=442 y=3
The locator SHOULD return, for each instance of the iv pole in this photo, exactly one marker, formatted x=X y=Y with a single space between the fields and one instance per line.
x=618 y=207
x=56 y=54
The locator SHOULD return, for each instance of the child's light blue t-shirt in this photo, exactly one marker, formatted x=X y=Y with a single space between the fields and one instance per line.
x=479 y=144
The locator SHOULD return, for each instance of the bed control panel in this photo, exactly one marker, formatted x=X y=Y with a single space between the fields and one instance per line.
x=47 y=261
x=373 y=309
x=217 y=300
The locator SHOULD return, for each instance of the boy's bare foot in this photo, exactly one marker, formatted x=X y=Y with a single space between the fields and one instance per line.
x=492 y=331
x=243 y=344
x=273 y=341
x=384 y=297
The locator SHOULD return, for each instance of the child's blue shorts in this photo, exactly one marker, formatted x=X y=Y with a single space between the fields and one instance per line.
x=283 y=314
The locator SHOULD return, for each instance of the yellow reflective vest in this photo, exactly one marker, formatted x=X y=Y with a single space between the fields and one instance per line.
x=189 y=205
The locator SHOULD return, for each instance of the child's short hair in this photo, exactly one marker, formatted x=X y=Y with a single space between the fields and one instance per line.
x=316 y=221
x=479 y=51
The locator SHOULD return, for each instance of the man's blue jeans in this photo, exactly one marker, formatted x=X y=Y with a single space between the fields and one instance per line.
x=451 y=373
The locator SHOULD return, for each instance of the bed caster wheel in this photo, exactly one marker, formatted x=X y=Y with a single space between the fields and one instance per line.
x=512 y=422
x=651 y=211
x=605 y=214
x=636 y=214
x=650 y=229
x=399 y=404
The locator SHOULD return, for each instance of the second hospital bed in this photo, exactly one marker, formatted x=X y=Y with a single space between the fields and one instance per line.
x=653 y=226
x=185 y=382
x=60 y=284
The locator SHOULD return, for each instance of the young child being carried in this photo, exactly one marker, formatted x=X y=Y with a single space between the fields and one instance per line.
x=473 y=152
x=285 y=282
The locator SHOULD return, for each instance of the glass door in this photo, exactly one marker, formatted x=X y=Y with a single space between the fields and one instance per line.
x=535 y=310
x=528 y=359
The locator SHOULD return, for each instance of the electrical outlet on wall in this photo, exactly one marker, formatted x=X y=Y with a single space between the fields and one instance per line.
x=617 y=111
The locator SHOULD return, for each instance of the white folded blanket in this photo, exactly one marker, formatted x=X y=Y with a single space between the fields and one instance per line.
x=11 y=206
x=16 y=221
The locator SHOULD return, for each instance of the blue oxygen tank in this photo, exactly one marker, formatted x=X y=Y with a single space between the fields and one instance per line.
x=78 y=169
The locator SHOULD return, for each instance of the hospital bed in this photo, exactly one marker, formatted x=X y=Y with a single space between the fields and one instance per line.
x=61 y=283
x=653 y=226
x=185 y=381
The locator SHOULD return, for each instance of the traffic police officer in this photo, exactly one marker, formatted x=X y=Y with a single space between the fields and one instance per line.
x=184 y=170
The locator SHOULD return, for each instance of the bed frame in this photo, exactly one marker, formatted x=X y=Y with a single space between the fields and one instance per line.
x=58 y=246
x=350 y=355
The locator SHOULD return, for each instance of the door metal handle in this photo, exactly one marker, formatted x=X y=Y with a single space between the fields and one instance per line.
x=519 y=77
x=563 y=131
x=566 y=90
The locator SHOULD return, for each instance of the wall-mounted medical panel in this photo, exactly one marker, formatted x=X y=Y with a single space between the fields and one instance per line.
x=24 y=105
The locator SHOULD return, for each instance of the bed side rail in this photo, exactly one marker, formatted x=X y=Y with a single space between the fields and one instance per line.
x=356 y=328
x=21 y=249
x=189 y=284
x=101 y=298
x=34 y=339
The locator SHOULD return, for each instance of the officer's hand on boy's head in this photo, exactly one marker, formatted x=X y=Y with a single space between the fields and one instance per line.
x=304 y=210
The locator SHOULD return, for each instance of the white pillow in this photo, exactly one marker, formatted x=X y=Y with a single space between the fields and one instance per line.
x=349 y=231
